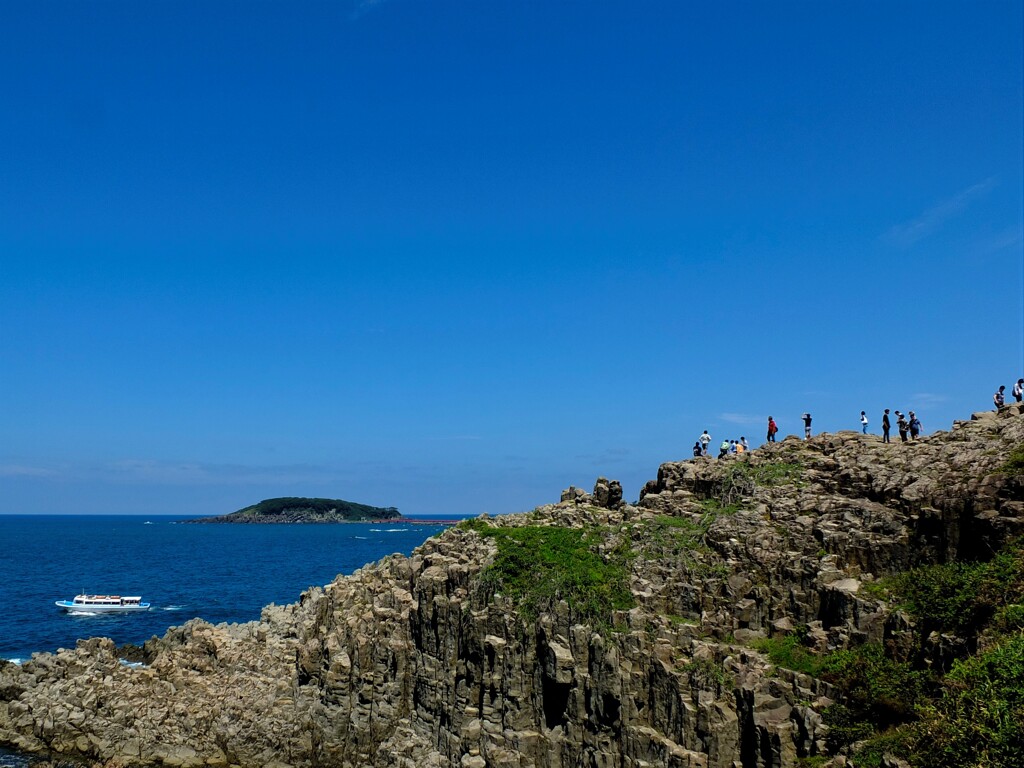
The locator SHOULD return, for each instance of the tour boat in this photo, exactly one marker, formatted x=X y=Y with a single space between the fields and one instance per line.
x=103 y=604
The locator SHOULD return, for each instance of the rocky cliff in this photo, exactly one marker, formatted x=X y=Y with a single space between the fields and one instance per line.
x=585 y=633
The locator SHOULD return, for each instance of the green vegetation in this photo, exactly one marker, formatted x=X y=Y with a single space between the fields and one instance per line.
x=706 y=675
x=789 y=652
x=741 y=478
x=1014 y=465
x=679 y=533
x=301 y=509
x=962 y=597
x=538 y=566
x=979 y=719
x=972 y=717
x=878 y=692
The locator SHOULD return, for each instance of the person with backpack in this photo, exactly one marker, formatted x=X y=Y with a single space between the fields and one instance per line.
x=863 y=422
x=915 y=426
x=885 y=426
x=902 y=426
x=999 y=398
x=773 y=428
x=1018 y=390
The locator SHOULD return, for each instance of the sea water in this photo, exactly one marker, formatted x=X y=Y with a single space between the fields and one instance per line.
x=218 y=572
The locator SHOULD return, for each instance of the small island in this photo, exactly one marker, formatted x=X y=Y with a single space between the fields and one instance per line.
x=303 y=510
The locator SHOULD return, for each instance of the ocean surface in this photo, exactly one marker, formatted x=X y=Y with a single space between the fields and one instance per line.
x=216 y=572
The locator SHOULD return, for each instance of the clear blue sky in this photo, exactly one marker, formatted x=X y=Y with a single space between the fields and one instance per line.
x=456 y=256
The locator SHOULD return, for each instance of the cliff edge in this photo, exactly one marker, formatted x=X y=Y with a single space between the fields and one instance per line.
x=587 y=632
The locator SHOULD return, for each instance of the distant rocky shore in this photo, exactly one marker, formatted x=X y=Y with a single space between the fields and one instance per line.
x=306 y=510
x=747 y=611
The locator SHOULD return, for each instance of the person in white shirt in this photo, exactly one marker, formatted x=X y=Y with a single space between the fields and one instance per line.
x=864 y=422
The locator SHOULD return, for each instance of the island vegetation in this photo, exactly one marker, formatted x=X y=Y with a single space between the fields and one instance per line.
x=297 y=509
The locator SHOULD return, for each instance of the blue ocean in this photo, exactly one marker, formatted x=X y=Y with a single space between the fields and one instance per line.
x=216 y=572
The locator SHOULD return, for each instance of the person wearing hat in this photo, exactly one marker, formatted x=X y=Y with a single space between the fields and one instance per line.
x=902 y=426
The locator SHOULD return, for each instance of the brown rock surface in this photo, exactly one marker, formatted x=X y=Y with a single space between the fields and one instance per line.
x=409 y=662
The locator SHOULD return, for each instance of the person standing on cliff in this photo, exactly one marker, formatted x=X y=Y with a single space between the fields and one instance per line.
x=915 y=426
x=807 y=426
x=1018 y=390
x=772 y=429
x=999 y=398
x=863 y=422
x=885 y=426
x=744 y=445
x=902 y=426
x=705 y=441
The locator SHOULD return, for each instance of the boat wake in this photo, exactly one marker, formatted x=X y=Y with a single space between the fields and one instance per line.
x=83 y=613
x=171 y=608
x=388 y=530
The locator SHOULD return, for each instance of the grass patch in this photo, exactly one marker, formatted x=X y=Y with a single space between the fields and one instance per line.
x=706 y=675
x=1014 y=465
x=538 y=566
x=790 y=653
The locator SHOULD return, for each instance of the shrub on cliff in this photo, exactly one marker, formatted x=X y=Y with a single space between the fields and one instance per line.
x=979 y=720
x=538 y=566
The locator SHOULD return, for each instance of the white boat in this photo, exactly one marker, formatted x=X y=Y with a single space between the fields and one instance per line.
x=103 y=604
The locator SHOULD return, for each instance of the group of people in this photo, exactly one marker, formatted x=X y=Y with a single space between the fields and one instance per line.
x=905 y=424
x=999 y=398
x=908 y=426
x=700 y=448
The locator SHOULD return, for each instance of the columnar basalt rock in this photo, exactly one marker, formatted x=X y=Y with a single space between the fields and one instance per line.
x=420 y=661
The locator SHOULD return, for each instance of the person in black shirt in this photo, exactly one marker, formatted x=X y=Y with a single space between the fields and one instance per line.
x=885 y=426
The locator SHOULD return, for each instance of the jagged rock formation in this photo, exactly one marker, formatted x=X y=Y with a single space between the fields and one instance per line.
x=418 y=662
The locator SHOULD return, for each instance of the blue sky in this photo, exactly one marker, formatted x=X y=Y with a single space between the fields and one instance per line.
x=456 y=256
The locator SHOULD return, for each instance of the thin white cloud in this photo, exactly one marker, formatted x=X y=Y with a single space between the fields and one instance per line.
x=743 y=419
x=363 y=7
x=928 y=399
x=1010 y=238
x=22 y=470
x=910 y=232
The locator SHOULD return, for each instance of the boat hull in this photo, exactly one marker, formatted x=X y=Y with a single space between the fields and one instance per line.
x=68 y=605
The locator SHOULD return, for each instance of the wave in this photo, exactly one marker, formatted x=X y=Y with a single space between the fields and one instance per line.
x=16 y=660
x=387 y=530
x=171 y=608
x=83 y=613
x=130 y=664
x=359 y=537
